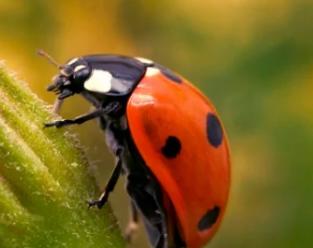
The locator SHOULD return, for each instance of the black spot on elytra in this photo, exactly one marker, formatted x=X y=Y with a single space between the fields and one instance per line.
x=172 y=147
x=169 y=74
x=214 y=130
x=209 y=219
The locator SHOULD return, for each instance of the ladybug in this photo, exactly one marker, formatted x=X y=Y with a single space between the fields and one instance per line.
x=168 y=141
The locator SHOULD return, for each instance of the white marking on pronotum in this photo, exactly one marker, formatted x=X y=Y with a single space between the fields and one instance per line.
x=144 y=60
x=79 y=67
x=152 y=71
x=99 y=81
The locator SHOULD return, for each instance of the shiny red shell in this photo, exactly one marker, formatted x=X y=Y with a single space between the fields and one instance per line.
x=197 y=179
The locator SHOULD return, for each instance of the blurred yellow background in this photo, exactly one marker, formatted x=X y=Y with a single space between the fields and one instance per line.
x=254 y=59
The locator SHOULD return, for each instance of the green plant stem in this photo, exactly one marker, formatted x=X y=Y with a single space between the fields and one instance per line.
x=44 y=180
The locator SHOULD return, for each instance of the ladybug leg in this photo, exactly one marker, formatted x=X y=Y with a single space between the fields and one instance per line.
x=132 y=225
x=109 y=109
x=109 y=187
x=78 y=120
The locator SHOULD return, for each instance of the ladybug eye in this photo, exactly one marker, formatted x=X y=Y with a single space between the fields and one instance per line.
x=66 y=70
x=79 y=67
x=81 y=73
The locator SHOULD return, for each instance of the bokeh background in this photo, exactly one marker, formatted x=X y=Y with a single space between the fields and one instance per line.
x=254 y=59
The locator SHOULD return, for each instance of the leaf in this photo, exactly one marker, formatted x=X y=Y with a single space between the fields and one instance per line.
x=44 y=179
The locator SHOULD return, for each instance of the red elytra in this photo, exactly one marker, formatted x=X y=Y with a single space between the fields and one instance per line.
x=197 y=179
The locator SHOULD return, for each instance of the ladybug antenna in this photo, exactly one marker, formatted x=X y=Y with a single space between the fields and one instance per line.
x=43 y=54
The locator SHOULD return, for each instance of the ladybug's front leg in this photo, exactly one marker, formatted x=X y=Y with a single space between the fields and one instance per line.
x=109 y=187
x=78 y=120
x=109 y=109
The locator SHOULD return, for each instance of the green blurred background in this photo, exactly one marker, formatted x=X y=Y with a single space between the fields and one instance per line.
x=254 y=59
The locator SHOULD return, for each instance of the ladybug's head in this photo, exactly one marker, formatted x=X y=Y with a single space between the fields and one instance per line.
x=71 y=78
x=99 y=78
